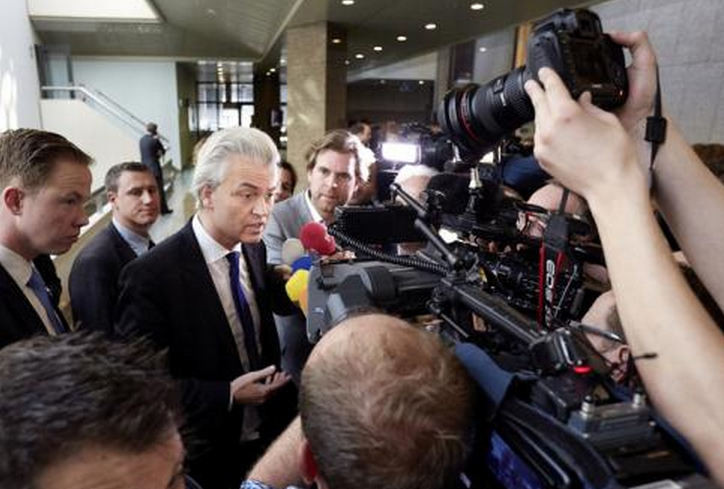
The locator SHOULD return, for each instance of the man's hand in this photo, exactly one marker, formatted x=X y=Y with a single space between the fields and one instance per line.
x=258 y=386
x=340 y=255
x=641 y=79
x=282 y=272
x=584 y=147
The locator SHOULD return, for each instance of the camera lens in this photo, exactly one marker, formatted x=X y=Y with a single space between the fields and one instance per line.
x=476 y=117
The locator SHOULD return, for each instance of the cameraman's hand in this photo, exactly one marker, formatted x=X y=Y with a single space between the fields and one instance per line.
x=581 y=145
x=641 y=79
x=257 y=386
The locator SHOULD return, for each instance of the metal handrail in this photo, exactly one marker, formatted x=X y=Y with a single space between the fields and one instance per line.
x=108 y=104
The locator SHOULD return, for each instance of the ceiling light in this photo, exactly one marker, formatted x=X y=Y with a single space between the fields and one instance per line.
x=402 y=38
x=126 y=11
x=377 y=48
x=336 y=40
x=346 y=61
x=273 y=70
x=431 y=26
x=421 y=82
x=359 y=56
x=382 y=82
x=476 y=6
x=347 y=3
x=482 y=49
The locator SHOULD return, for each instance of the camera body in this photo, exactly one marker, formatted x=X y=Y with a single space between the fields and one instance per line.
x=572 y=43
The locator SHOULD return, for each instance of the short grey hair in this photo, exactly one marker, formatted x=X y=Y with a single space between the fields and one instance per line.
x=240 y=141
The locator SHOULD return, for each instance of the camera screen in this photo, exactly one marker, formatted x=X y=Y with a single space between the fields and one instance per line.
x=510 y=470
x=590 y=67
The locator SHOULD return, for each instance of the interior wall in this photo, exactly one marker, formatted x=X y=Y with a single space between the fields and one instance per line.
x=688 y=39
x=91 y=131
x=401 y=101
x=19 y=87
x=146 y=88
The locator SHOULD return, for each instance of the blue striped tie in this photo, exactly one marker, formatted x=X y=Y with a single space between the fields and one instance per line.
x=37 y=285
x=242 y=309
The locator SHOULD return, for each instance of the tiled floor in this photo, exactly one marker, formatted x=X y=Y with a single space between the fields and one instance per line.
x=183 y=205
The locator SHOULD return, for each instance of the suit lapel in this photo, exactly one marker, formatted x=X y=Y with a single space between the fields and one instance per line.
x=198 y=278
x=255 y=264
x=303 y=214
x=12 y=294
x=124 y=250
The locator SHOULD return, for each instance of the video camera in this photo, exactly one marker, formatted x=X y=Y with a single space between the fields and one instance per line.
x=508 y=301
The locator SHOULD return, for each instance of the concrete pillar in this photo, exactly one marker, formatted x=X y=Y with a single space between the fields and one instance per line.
x=316 y=88
x=442 y=78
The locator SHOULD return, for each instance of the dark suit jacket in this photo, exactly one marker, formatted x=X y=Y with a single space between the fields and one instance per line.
x=168 y=295
x=93 y=282
x=151 y=152
x=18 y=319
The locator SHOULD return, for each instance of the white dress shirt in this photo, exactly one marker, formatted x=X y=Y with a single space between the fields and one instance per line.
x=215 y=258
x=316 y=216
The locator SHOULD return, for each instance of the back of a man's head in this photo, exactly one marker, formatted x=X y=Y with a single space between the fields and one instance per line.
x=62 y=396
x=28 y=156
x=385 y=405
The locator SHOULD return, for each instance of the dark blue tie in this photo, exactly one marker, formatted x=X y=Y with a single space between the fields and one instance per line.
x=242 y=309
x=37 y=285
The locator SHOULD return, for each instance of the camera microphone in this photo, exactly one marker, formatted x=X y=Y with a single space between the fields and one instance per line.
x=294 y=255
x=314 y=237
x=292 y=249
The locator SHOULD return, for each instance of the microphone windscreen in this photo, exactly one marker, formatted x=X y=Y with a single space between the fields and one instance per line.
x=314 y=237
x=304 y=262
x=304 y=299
x=292 y=249
x=455 y=189
x=296 y=284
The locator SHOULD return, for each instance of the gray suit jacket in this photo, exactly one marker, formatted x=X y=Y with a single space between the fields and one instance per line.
x=286 y=219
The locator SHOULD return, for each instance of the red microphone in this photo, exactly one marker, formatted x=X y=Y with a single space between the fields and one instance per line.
x=314 y=237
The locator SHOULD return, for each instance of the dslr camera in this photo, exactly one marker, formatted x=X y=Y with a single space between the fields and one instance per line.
x=572 y=43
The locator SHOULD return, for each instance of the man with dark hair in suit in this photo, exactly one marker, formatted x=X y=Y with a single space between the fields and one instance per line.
x=133 y=195
x=205 y=295
x=333 y=171
x=151 y=152
x=44 y=184
x=104 y=415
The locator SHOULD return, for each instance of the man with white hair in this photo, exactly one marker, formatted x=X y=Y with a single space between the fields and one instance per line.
x=205 y=295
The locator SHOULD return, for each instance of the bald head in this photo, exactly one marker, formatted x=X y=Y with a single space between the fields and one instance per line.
x=360 y=333
x=385 y=403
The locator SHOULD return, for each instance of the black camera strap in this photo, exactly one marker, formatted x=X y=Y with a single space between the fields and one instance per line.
x=655 y=125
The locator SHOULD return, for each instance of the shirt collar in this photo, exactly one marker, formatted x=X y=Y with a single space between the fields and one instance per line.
x=210 y=248
x=316 y=216
x=139 y=244
x=17 y=267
